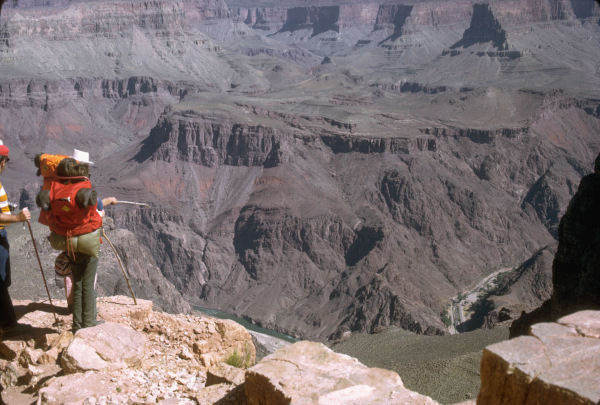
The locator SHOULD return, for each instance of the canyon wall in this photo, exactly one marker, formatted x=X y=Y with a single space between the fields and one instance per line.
x=313 y=198
x=406 y=16
x=366 y=234
x=575 y=275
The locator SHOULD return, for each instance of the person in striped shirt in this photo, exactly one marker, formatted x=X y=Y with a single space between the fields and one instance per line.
x=7 y=312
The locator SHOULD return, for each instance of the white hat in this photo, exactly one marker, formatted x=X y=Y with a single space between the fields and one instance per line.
x=81 y=156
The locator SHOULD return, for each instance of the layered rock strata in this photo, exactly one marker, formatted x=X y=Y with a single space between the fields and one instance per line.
x=371 y=189
x=410 y=18
x=269 y=154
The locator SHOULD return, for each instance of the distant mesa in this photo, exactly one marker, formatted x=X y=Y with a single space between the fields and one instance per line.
x=484 y=28
x=320 y=19
x=326 y=60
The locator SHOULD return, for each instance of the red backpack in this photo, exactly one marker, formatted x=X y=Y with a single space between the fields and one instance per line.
x=66 y=218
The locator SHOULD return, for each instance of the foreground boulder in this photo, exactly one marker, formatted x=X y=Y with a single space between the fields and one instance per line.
x=309 y=372
x=103 y=347
x=76 y=388
x=556 y=364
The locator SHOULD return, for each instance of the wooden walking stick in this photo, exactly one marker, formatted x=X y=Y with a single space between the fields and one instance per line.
x=120 y=264
x=133 y=203
x=56 y=321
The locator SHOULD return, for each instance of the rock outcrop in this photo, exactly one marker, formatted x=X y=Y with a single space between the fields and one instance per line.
x=556 y=364
x=575 y=270
x=520 y=290
x=484 y=28
x=318 y=19
x=94 y=349
x=137 y=355
x=308 y=372
x=394 y=15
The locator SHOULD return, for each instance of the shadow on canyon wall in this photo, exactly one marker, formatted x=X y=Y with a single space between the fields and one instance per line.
x=575 y=270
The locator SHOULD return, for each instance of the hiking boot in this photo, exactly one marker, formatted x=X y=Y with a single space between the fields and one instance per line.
x=16 y=329
x=8 y=325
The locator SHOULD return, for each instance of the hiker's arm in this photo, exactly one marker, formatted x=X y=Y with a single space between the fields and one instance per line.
x=109 y=201
x=24 y=215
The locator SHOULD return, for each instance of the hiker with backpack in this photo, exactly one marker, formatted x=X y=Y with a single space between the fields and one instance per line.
x=47 y=165
x=63 y=262
x=8 y=317
x=70 y=206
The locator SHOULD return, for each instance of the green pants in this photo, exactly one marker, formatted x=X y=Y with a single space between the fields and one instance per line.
x=84 y=292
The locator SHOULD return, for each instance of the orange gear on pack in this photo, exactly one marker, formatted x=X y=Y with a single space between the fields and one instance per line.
x=48 y=165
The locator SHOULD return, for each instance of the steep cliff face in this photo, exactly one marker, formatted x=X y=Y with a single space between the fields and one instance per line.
x=214 y=141
x=265 y=19
x=393 y=15
x=383 y=14
x=319 y=19
x=156 y=14
x=585 y=9
x=575 y=276
x=484 y=28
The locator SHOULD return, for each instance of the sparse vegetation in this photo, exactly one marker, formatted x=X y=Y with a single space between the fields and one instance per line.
x=445 y=318
x=240 y=360
x=443 y=367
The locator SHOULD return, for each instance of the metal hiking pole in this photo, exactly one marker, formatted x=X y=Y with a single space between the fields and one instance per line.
x=56 y=321
x=120 y=264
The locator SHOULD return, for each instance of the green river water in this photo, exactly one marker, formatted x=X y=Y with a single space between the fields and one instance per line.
x=246 y=324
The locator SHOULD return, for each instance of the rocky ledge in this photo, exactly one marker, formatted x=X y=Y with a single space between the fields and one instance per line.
x=138 y=356
x=556 y=364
